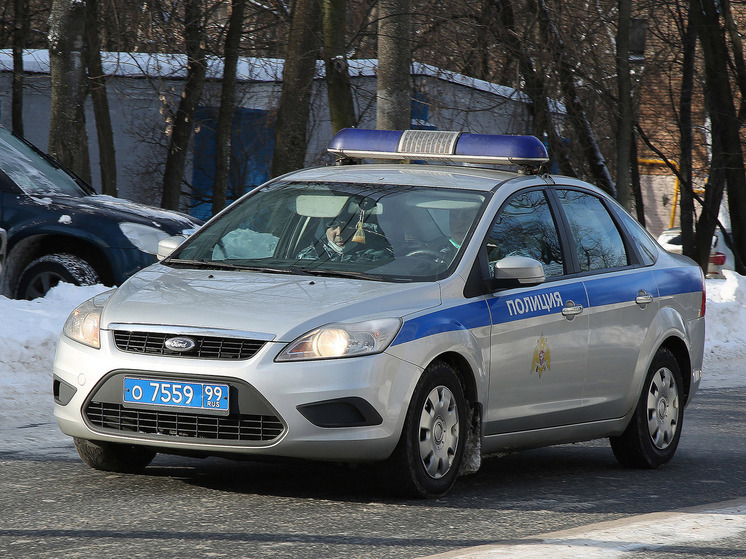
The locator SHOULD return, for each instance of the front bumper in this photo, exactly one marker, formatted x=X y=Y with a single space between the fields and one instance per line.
x=345 y=409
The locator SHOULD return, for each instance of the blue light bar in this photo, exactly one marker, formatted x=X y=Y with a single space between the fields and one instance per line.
x=436 y=145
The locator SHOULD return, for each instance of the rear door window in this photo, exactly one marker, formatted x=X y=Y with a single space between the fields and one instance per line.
x=596 y=240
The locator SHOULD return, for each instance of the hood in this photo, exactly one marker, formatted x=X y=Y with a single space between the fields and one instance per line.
x=284 y=306
x=119 y=210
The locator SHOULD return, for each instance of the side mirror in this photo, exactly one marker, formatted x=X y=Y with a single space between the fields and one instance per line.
x=518 y=270
x=168 y=245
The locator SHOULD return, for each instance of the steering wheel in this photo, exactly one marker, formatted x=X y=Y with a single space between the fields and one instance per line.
x=429 y=253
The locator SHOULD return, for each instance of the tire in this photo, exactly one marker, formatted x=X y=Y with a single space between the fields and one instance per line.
x=47 y=271
x=428 y=456
x=113 y=457
x=652 y=436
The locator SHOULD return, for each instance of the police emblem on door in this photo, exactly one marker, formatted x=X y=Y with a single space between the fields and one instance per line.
x=541 y=356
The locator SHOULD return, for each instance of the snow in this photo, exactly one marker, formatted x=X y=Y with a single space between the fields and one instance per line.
x=29 y=331
x=725 y=338
x=245 y=243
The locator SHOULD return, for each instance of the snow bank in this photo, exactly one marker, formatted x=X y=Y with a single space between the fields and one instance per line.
x=725 y=339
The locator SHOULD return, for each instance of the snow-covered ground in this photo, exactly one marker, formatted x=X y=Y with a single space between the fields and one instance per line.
x=29 y=332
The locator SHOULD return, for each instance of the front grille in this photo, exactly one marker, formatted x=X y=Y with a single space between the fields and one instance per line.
x=242 y=428
x=206 y=347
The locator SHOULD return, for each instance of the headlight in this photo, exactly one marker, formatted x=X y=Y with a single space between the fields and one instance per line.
x=144 y=237
x=343 y=340
x=84 y=323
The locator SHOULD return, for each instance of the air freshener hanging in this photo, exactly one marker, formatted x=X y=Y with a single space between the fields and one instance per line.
x=359 y=236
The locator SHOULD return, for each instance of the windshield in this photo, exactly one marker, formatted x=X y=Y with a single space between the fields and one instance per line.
x=373 y=231
x=31 y=172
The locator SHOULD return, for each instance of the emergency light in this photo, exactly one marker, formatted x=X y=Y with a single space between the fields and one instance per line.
x=437 y=145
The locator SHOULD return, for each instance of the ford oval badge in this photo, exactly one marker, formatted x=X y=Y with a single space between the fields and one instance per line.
x=180 y=344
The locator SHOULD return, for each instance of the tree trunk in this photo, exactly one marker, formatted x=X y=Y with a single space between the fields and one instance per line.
x=339 y=92
x=297 y=82
x=535 y=88
x=636 y=189
x=575 y=109
x=20 y=32
x=227 y=105
x=183 y=120
x=68 y=140
x=738 y=59
x=393 y=99
x=725 y=125
x=107 y=155
x=624 y=121
x=686 y=189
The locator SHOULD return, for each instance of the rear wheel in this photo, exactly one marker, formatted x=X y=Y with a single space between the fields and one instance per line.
x=652 y=436
x=428 y=457
x=45 y=272
x=113 y=457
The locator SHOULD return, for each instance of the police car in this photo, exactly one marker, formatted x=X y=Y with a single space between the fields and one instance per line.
x=417 y=315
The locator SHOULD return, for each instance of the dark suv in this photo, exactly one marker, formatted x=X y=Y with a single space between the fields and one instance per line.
x=59 y=229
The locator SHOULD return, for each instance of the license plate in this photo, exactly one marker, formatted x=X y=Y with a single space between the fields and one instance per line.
x=190 y=395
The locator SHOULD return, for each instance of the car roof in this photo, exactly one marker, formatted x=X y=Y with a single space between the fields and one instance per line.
x=437 y=176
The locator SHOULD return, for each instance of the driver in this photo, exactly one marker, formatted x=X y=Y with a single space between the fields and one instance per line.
x=459 y=222
x=344 y=242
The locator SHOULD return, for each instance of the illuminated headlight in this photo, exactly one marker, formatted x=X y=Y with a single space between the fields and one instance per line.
x=343 y=340
x=84 y=323
x=144 y=237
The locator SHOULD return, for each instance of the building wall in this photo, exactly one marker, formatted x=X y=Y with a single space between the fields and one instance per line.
x=657 y=198
x=139 y=118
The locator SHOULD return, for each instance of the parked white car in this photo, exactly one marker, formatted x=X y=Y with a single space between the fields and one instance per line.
x=721 y=257
x=415 y=315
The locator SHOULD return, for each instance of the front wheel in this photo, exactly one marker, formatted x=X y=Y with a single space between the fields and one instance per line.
x=47 y=271
x=652 y=436
x=427 y=459
x=113 y=457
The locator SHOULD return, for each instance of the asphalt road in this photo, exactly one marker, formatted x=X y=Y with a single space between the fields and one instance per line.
x=51 y=505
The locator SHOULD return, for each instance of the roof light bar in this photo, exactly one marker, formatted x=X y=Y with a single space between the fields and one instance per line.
x=436 y=145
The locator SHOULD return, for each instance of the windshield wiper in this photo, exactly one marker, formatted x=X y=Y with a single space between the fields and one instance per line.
x=297 y=271
x=289 y=271
x=345 y=274
x=203 y=264
x=212 y=264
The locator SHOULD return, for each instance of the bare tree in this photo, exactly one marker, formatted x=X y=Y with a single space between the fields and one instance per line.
x=181 y=131
x=68 y=140
x=727 y=163
x=297 y=79
x=20 y=31
x=575 y=109
x=394 y=65
x=738 y=56
x=625 y=136
x=339 y=92
x=686 y=141
x=227 y=105
x=106 y=152
x=534 y=86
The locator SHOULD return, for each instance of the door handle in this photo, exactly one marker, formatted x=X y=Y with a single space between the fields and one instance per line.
x=644 y=298
x=571 y=309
